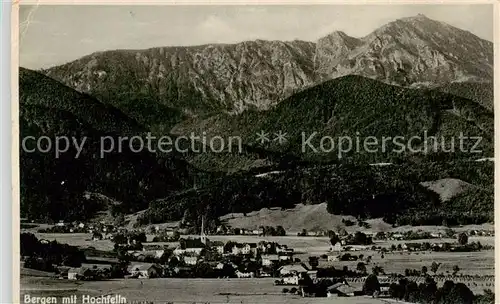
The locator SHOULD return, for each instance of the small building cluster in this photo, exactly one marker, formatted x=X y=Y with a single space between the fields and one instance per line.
x=201 y=257
x=99 y=231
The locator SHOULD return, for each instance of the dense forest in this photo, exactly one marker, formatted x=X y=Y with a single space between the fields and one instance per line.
x=391 y=192
x=184 y=186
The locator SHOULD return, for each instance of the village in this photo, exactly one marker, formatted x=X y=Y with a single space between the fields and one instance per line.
x=170 y=254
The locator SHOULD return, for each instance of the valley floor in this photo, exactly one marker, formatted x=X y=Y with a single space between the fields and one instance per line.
x=260 y=290
x=471 y=263
x=242 y=291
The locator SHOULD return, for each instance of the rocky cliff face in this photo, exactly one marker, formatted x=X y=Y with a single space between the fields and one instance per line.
x=258 y=74
x=412 y=51
x=254 y=74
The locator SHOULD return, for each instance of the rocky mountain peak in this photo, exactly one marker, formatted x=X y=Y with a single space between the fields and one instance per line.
x=416 y=50
x=336 y=35
x=418 y=17
x=331 y=50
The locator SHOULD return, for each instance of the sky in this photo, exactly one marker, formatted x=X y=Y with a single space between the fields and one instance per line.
x=56 y=34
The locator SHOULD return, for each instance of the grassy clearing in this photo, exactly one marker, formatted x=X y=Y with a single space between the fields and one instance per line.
x=316 y=217
x=471 y=263
x=83 y=240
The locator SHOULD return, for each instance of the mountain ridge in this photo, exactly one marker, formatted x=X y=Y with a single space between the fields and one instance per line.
x=52 y=186
x=259 y=74
x=354 y=106
x=171 y=189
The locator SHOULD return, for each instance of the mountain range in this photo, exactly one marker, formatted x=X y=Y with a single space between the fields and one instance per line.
x=196 y=80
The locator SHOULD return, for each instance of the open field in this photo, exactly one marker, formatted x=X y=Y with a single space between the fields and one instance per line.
x=83 y=240
x=471 y=263
x=181 y=291
x=316 y=217
x=184 y=290
x=310 y=217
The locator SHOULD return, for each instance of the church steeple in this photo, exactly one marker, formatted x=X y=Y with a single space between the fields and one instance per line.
x=203 y=237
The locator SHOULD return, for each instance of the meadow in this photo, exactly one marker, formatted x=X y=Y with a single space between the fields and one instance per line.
x=190 y=291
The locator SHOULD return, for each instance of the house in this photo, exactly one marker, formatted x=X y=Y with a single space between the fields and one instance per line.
x=332 y=258
x=291 y=279
x=144 y=270
x=264 y=273
x=269 y=247
x=283 y=249
x=98 y=271
x=437 y=235
x=340 y=290
x=62 y=272
x=250 y=248
x=356 y=248
x=159 y=253
x=244 y=274
x=97 y=236
x=147 y=247
x=337 y=247
x=169 y=232
x=313 y=274
x=384 y=288
x=80 y=273
x=191 y=260
x=263 y=246
x=269 y=259
x=293 y=269
x=237 y=249
x=218 y=246
x=413 y=246
x=321 y=233
x=155 y=254
x=397 y=237
x=285 y=257
x=191 y=246
x=222 y=230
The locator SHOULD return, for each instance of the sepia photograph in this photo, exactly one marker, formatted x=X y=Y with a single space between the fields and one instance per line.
x=253 y=153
